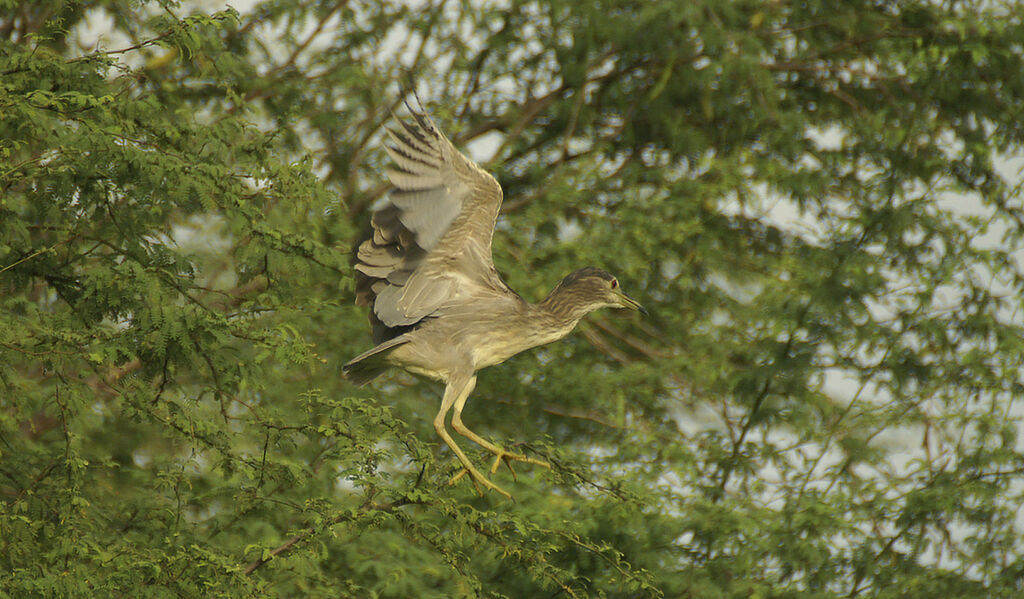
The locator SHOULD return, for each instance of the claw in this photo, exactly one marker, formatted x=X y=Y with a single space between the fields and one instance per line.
x=475 y=477
x=508 y=457
x=502 y=458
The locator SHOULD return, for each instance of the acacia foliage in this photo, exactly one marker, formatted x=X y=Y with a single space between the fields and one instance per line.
x=813 y=200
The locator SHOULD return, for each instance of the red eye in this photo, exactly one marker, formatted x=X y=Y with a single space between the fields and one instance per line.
x=615 y=284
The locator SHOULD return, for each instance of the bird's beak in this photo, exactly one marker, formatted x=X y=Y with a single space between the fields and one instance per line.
x=629 y=303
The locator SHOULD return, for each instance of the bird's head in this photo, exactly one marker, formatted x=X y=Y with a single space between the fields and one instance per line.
x=588 y=289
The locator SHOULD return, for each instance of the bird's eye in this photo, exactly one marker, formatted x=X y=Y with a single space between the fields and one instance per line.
x=615 y=284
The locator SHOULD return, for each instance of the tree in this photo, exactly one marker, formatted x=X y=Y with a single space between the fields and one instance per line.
x=815 y=200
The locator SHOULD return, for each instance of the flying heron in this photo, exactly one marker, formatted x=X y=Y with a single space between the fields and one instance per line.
x=438 y=307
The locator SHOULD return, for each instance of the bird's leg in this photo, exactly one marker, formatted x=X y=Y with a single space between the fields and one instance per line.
x=500 y=455
x=452 y=393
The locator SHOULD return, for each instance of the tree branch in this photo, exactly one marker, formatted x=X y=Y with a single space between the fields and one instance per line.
x=366 y=507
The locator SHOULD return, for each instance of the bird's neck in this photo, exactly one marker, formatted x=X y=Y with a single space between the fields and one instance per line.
x=562 y=307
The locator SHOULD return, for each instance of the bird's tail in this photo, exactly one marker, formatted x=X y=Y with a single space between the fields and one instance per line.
x=370 y=364
x=363 y=371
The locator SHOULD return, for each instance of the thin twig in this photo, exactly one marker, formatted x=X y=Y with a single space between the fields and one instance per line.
x=282 y=548
x=42 y=251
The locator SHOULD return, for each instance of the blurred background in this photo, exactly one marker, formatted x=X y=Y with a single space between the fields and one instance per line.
x=819 y=203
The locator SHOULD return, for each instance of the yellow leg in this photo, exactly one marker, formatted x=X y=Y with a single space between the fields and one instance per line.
x=456 y=390
x=500 y=455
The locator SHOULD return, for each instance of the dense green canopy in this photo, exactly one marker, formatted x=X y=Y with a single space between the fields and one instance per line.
x=819 y=203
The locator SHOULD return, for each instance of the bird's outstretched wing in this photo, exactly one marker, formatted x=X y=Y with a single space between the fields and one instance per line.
x=430 y=245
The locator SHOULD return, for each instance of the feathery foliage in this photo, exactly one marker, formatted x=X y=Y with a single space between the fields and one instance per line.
x=819 y=202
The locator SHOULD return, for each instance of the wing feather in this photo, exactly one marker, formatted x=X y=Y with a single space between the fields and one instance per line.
x=427 y=213
x=405 y=180
x=408 y=156
x=429 y=246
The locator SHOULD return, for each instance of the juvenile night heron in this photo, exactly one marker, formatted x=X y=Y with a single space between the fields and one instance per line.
x=438 y=308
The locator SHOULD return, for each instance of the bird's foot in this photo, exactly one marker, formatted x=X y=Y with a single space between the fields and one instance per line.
x=500 y=455
x=475 y=477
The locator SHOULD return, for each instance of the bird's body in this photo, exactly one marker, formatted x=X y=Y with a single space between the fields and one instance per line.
x=438 y=306
x=468 y=347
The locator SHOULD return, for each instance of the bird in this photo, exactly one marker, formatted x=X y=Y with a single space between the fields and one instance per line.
x=437 y=306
